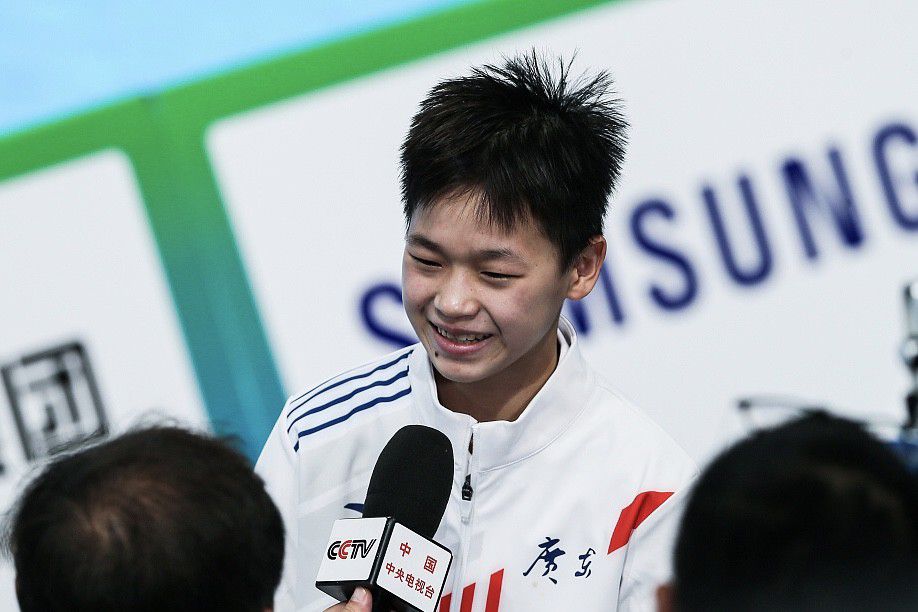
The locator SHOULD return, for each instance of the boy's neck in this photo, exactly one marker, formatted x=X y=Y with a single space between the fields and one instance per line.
x=502 y=397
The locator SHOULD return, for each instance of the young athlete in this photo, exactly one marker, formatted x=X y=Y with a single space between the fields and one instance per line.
x=564 y=493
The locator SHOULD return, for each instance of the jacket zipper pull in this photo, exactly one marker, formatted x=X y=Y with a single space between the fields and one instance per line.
x=467 y=488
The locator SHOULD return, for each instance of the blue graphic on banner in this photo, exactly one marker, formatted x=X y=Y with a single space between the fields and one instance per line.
x=887 y=138
x=725 y=245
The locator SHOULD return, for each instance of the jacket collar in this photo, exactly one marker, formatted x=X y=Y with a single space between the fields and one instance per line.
x=499 y=443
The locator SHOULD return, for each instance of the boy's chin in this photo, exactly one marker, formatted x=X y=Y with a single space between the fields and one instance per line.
x=465 y=374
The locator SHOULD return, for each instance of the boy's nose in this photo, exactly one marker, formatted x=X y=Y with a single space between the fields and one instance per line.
x=456 y=298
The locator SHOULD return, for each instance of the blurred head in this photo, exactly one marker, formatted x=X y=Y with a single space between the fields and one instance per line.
x=505 y=177
x=157 y=519
x=814 y=515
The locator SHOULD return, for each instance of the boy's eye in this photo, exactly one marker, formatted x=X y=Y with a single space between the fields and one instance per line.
x=498 y=275
x=424 y=262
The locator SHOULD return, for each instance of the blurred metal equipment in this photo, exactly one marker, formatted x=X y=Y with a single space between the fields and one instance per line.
x=910 y=351
x=766 y=411
x=760 y=412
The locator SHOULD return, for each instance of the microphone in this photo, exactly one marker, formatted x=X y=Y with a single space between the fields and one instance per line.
x=391 y=550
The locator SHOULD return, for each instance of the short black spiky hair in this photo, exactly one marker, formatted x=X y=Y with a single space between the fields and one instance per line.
x=525 y=139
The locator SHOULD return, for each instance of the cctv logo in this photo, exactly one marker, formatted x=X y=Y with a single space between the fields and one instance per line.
x=349 y=549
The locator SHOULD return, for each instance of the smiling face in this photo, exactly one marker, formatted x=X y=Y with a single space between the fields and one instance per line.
x=484 y=303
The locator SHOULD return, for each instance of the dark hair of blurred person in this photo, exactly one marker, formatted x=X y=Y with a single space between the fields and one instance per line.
x=159 y=519
x=814 y=515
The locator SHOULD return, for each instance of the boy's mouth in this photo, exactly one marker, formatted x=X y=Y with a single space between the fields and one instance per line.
x=465 y=338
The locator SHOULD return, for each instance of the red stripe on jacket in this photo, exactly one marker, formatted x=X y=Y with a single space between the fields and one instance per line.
x=635 y=514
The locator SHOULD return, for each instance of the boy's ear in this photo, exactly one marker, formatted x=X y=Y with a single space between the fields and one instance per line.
x=585 y=271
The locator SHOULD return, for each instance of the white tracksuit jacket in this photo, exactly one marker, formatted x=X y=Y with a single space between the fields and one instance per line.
x=573 y=506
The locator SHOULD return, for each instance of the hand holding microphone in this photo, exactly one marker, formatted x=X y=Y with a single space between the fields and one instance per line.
x=390 y=550
x=360 y=601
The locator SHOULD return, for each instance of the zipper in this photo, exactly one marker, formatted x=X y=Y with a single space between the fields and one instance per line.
x=467 y=490
x=467 y=486
x=465 y=530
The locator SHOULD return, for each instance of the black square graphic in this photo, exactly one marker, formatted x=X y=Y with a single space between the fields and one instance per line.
x=55 y=400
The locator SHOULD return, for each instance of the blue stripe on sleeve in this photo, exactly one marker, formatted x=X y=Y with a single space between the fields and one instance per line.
x=344 y=417
x=341 y=382
x=344 y=398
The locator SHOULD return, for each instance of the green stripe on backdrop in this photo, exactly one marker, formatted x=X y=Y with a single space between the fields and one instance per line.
x=187 y=242
x=163 y=135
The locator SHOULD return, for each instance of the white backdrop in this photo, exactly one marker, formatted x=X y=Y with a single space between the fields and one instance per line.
x=810 y=105
x=79 y=264
x=714 y=92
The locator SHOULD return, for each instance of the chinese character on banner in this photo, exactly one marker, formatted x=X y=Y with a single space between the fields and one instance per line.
x=55 y=400
x=390 y=567
x=548 y=555
x=400 y=574
x=429 y=592
x=585 y=564
x=406 y=550
x=430 y=564
x=409 y=580
x=419 y=586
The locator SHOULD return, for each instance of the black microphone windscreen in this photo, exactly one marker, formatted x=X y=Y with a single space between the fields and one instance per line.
x=412 y=479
